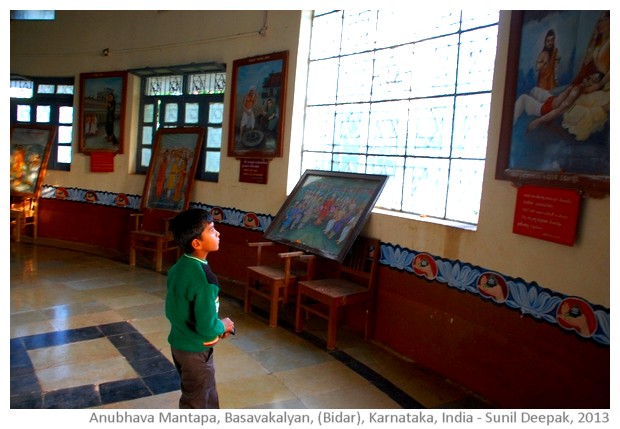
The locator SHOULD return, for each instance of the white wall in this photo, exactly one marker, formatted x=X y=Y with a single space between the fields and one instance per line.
x=73 y=43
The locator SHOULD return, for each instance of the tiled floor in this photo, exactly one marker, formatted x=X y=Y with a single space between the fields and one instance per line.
x=89 y=332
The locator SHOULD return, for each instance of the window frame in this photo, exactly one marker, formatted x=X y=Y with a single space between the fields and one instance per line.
x=55 y=101
x=325 y=157
x=182 y=99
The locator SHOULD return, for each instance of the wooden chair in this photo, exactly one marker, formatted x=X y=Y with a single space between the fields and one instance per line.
x=152 y=234
x=354 y=285
x=24 y=212
x=276 y=283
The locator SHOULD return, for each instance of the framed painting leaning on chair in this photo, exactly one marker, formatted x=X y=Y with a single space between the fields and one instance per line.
x=167 y=189
x=30 y=151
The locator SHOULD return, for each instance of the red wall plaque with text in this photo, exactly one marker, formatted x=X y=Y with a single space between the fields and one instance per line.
x=102 y=162
x=547 y=213
x=254 y=170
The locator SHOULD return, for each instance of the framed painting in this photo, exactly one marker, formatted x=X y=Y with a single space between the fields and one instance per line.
x=555 y=128
x=326 y=211
x=172 y=168
x=30 y=151
x=257 y=106
x=102 y=111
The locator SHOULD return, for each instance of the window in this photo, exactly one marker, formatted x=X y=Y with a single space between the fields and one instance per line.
x=33 y=15
x=179 y=96
x=412 y=104
x=46 y=101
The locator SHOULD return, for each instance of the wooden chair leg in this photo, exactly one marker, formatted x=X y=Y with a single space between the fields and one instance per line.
x=273 y=307
x=159 y=257
x=132 y=253
x=247 y=306
x=18 y=230
x=366 y=323
x=332 y=325
x=299 y=326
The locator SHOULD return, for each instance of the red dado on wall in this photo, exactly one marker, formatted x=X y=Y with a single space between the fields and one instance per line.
x=101 y=226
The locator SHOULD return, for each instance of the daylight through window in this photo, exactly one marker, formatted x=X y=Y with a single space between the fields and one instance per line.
x=412 y=104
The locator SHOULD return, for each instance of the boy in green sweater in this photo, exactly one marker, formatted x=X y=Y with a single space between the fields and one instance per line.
x=192 y=305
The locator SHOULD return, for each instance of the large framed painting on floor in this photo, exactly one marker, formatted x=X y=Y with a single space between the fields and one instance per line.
x=326 y=211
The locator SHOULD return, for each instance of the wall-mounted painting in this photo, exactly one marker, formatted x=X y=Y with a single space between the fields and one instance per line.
x=257 y=106
x=326 y=211
x=102 y=111
x=555 y=125
x=172 y=168
x=30 y=151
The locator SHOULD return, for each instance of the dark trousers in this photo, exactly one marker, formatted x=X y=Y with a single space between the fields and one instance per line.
x=197 y=373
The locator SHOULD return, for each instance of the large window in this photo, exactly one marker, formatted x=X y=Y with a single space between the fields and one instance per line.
x=47 y=101
x=183 y=96
x=406 y=95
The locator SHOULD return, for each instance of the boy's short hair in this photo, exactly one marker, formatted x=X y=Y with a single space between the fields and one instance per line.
x=188 y=225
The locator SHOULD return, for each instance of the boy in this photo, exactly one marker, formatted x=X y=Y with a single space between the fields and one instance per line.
x=192 y=307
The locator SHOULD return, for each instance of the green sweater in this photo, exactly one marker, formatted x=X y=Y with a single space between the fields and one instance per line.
x=192 y=305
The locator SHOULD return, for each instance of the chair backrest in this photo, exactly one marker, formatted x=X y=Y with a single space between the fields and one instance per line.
x=259 y=249
x=303 y=265
x=294 y=260
x=23 y=204
x=361 y=263
x=155 y=220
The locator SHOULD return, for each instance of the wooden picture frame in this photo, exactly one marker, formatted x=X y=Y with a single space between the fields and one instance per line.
x=257 y=110
x=562 y=141
x=326 y=211
x=30 y=151
x=102 y=111
x=172 y=168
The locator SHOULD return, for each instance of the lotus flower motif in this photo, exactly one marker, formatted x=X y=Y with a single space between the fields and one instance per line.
x=462 y=277
x=531 y=300
x=396 y=257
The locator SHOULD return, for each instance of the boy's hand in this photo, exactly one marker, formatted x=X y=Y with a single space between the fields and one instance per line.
x=229 y=327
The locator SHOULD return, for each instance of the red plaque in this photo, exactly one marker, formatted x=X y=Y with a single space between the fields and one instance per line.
x=254 y=170
x=547 y=213
x=102 y=161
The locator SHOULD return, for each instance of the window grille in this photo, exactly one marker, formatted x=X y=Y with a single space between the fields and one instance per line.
x=406 y=95
x=46 y=101
x=178 y=96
